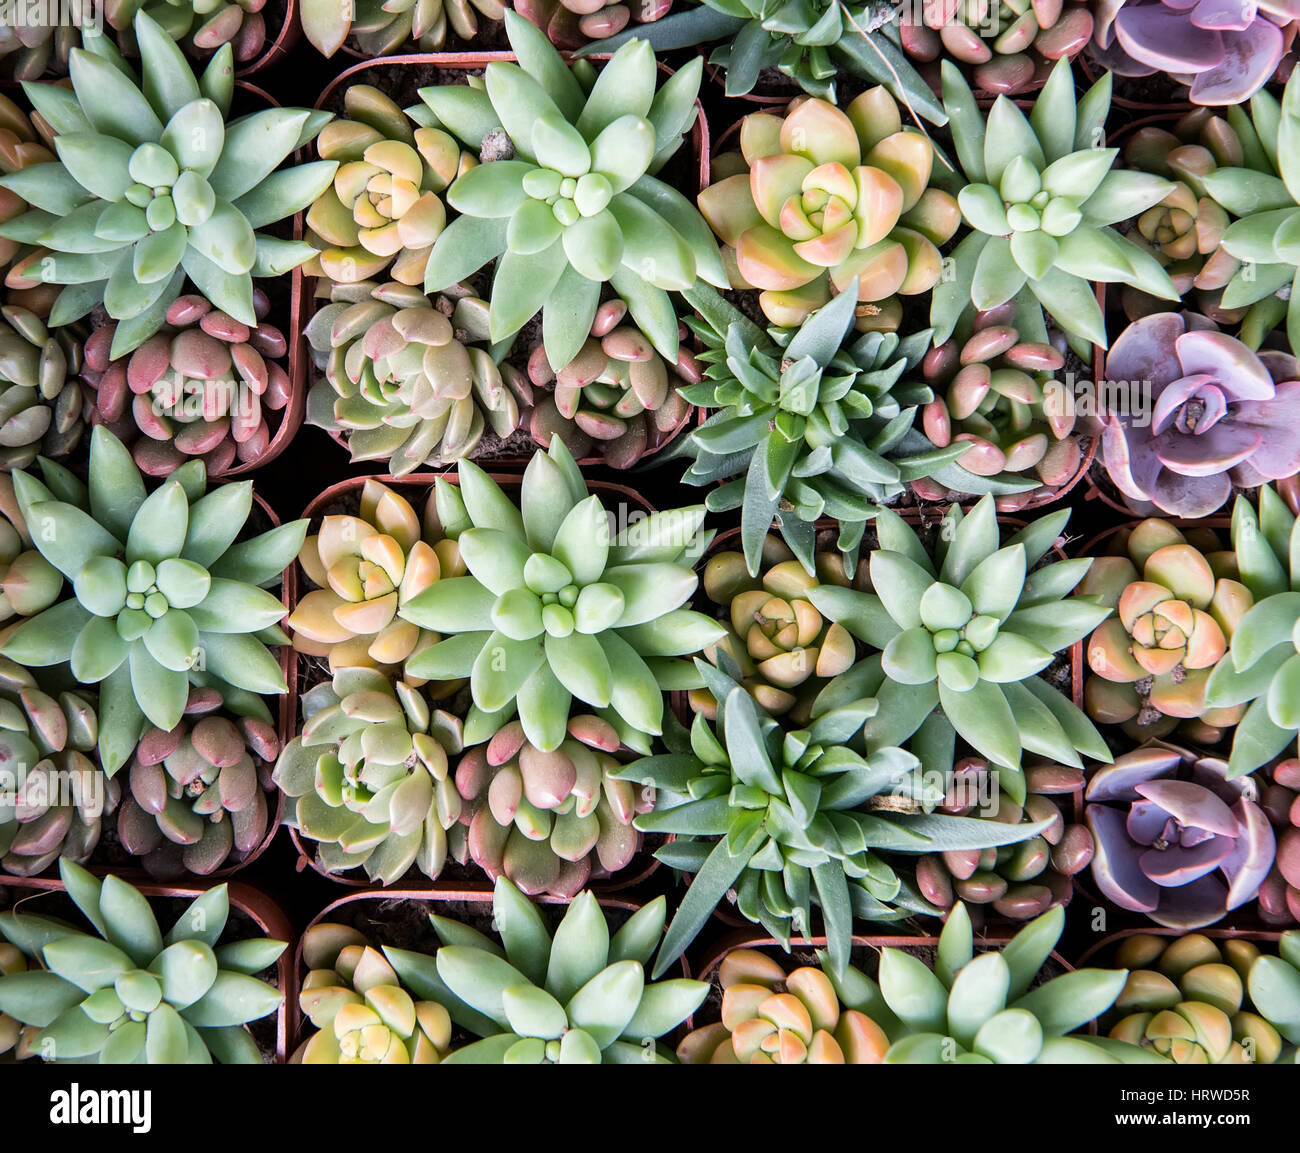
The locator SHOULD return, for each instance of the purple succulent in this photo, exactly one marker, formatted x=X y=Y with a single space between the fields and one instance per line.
x=1216 y=415
x=1175 y=838
x=1225 y=49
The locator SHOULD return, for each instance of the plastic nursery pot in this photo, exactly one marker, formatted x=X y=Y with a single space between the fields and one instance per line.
x=366 y=910
x=306 y=672
x=511 y=454
x=244 y=899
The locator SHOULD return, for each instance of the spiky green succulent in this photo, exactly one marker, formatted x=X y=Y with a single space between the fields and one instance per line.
x=1041 y=196
x=569 y=201
x=123 y=993
x=575 y=995
x=154 y=185
x=557 y=608
x=794 y=819
x=962 y=628
x=370 y=775
x=162 y=595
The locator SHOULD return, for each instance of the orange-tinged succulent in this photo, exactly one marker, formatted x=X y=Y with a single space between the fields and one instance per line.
x=770 y=1017
x=365 y=567
x=824 y=195
x=22 y=144
x=1175 y=614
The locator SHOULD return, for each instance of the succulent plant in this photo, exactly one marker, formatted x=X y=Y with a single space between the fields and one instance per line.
x=821 y=198
x=42 y=39
x=163 y=596
x=1262 y=665
x=29 y=584
x=556 y=611
x=572 y=23
x=370 y=776
x=355 y=1000
x=1041 y=197
x=1019 y=880
x=569 y=201
x=1279 y=895
x=1224 y=51
x=1176 y=838
x=807 y=424
x=203 y=386
x=962 y=628
x=790 y=819
x=1274 y=987
x=549 y=821
x=400 y=382
x=171 y=188
x=806 y=42
x=771 y=1017
x=992 y=1008
x=617 y=399
x=382 y=27
x=785 y=650
x=44 y=398
x=995 y=391
x=199 y=26
x=363 y=567
x=384 y=208
x=1177 y=608
x=1004 y=43
x=1185 y=999
x=1216 y=417
x=22 y=144
x=53 y=798
x=12 y=1033
x=125 y=993
x=197 y=801
x=575 y=995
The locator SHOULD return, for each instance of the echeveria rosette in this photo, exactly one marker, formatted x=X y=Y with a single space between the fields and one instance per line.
x=991 y=1008
x=555 y=609
x=382 y=27
x=785 y=818
x=162 y=595
x=1225 y=50
x=1220 y=416
x=823 y=200
x=577 y=206
x=1167 y=822
x=125 y=993
x=959 y=631
x=153 y=185
x=1041 y=197
x=809 y=423
x=575 y=994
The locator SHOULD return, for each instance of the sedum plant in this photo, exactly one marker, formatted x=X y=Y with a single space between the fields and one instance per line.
x=29 y=584
x=570 y=24
x=382 y=27
x=963 y=626
x=790 y=819
x=362 y=1014
x=570 y=201
x=23 y=143
x=401 y=382
x=153 y=185
x=124 y=993
x=163 y=594
x=198 y=26
x=369 y=775
x=1041 y=198
x=32 y=47
x=771 y=1017
x=556 y=611
x=1279 y=895
x=44 y=399
x=575 y=995
x=1177 y=607
x=822 y=199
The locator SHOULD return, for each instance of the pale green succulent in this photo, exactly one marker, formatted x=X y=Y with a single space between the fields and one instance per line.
x=154 y=185
x=163 y=596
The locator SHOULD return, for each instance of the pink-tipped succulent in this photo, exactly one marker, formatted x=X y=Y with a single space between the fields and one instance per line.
x=549 y=821
x=617 y=399
x=204 y=387
x=821 y=196
x=1214 y=415
x=1175 y=838
x=1226 y=50
x=572 y=23
x=1279 y=895
x=995 y=390
x=198 y=793
x=1177 y=606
